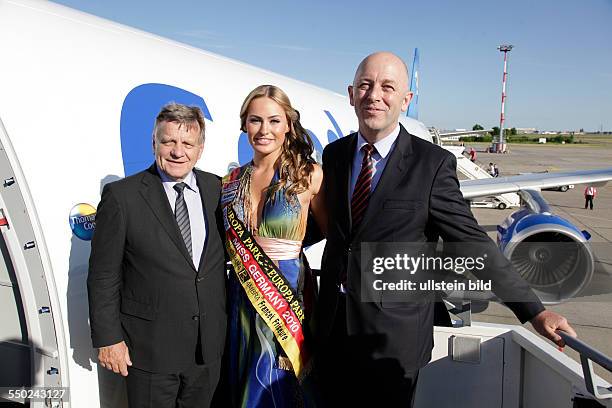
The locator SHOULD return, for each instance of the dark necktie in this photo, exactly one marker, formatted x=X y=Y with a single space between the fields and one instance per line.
x=361 y=193
x=182 y=216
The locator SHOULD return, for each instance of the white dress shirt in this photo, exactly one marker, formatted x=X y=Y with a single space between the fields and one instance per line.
x=379 y=157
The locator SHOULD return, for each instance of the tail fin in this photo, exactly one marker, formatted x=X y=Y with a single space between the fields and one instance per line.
x=413 y=108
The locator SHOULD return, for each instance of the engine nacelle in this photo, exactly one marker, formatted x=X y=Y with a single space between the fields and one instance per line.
x=549 y=252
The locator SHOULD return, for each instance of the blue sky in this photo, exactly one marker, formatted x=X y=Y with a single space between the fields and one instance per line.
x=560 y=71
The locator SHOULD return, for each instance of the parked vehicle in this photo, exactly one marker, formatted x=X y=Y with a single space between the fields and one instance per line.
x=488 y=202
x=560 y=188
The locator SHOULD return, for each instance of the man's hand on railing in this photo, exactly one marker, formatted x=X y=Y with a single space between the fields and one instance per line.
x=546 y=322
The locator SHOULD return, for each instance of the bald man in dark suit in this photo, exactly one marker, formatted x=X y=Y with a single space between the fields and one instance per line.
x=385 y=185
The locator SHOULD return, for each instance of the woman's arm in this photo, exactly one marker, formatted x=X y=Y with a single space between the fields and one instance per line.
x=317 y=200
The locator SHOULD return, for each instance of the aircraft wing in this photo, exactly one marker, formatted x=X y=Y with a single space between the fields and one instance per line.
x=534 y=181
x=465 y=132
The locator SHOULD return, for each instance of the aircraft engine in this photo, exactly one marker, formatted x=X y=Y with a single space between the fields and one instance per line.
x=549 y=252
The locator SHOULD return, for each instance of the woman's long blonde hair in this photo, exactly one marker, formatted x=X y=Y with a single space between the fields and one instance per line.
x=295 y=164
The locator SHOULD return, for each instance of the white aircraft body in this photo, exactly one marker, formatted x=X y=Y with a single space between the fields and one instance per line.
x=78 y=97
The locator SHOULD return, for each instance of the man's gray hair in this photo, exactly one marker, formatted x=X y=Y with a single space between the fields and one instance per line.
x=183 y=115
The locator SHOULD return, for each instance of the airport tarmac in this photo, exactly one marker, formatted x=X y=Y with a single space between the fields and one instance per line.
x=591 y=312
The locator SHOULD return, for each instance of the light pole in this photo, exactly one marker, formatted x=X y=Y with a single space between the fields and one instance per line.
x=500 y=146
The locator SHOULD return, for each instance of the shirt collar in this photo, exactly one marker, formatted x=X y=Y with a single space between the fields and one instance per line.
x=384 y=145
x=190 y=180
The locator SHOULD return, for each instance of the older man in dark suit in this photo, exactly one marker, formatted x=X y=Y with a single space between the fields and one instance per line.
x=386 y=185
x=156 y=273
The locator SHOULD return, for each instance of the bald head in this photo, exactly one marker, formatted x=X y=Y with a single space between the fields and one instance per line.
x=385 y=58
x=379 y=94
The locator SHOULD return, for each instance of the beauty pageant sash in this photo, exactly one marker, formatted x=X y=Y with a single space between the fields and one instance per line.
x=267 y=289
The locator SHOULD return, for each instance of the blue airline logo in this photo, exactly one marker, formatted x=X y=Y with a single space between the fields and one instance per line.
x=141 y=106
x=138 y=113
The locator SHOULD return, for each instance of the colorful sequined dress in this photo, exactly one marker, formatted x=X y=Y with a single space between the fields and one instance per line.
x=261 y=373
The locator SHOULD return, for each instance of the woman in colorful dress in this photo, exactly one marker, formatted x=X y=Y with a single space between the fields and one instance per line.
x=266 y=205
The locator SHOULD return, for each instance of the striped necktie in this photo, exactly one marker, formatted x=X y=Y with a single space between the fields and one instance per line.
x=363 y=186
x=182 y=216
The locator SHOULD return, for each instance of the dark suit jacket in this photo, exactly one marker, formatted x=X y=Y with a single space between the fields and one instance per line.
x=142 y=284
x=417 y=199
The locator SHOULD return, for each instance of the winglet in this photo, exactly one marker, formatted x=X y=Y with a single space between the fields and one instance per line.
x=413 y=108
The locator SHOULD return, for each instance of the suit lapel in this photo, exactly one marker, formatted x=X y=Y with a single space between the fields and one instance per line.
x=209 y=199
x=392 y=174
x=344 y=169
x=154 y=195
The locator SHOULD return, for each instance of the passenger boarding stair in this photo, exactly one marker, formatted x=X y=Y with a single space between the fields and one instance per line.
x=496 y=365
x=473 y=171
